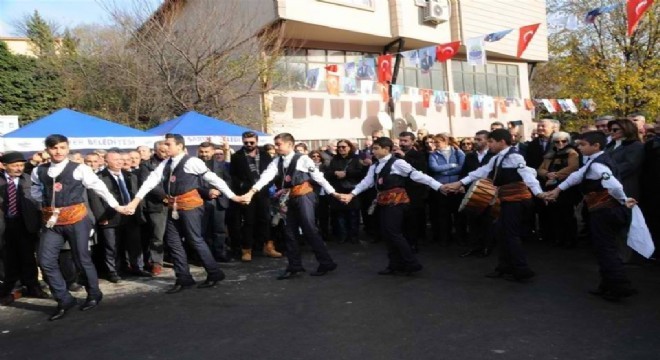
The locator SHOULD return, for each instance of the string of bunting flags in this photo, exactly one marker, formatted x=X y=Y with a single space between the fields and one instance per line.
x=635 y=10
x=366 y=73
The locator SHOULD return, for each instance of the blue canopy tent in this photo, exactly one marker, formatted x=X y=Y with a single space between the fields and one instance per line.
x=84 y=132
x=197 y=128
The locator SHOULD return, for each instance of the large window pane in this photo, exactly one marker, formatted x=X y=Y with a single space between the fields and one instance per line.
x=514 y=89
x=458 y=81
x=424 y=80
x=336 y=57
x=410 y=77
x=297 y=75
x=491 y=80
x=438 y=79
x=480 y=84
x=314 y=55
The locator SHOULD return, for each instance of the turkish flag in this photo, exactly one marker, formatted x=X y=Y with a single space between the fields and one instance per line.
x=426 y=98
x=555 y=104
x=384 y=90
x=465 y=102
x=332 y=83
x=385 y=68
x=331 y=68
x=636 y=9
x=525 y=37
x=444 y=52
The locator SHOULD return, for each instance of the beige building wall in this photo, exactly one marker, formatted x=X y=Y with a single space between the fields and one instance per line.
x=19 y=46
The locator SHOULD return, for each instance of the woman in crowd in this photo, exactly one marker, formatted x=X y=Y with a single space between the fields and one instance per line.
x=343 y=173
x=445 y=165
x=627 y=152
x=466 y=145
x=557 y=164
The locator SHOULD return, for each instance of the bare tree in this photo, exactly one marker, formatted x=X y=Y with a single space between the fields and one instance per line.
x=208 y=56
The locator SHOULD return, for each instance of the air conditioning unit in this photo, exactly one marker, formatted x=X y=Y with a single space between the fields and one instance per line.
x=437 y=11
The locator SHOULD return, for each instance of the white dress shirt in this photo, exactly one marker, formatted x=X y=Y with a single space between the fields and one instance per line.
x=513 y=161
x=481 y=154
x=597 y=171
x=14 y=179
x=82 y=173
x=194 y=166
x=304 y=164
x=399 y=167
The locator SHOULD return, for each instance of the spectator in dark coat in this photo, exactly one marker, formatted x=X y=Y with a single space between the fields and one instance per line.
x=627 y=152
x=344 y=172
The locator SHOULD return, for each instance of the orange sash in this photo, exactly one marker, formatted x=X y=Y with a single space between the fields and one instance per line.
x=513 y=192
x=188 y=201
x=69 y=215
x=300 y=190
x=394 y=196
x=600 y=199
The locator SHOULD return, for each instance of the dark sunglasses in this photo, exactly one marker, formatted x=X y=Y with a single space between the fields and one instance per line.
x=467 y=144
x=342 y=147
x=249 y=142
x=560 y=141
x=316 y=156
x=615 y=129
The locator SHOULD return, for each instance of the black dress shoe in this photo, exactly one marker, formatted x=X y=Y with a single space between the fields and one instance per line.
x=75 y=287
x=288 y=274
x=322 y=270
x=91 y=303
x=61 y=310
x=113 y=278
x=178 y=288
x=141 y=273
x=484 y=253
x=211 y=281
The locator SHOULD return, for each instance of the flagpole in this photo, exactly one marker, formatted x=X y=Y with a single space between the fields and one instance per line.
x=451 y=127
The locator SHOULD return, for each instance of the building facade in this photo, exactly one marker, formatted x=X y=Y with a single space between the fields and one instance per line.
x=346 y=33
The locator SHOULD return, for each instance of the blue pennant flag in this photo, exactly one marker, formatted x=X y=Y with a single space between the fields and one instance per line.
x=497 y=36
x=593 y=14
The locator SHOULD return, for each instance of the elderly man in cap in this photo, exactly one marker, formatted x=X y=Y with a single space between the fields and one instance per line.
x=19 y=224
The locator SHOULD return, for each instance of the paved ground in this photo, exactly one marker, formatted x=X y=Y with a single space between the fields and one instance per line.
x=450 y=311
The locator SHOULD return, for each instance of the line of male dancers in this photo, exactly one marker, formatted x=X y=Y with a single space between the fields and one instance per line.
x=59 y=186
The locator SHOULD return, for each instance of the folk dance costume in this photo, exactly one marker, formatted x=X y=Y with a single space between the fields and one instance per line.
x=388 y=175
x=512 y=177
x=608 y=218
x=181 y=178
x=292 y=175
x=61 y=187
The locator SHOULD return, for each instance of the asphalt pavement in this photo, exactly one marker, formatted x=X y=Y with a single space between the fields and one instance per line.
x=448 y=311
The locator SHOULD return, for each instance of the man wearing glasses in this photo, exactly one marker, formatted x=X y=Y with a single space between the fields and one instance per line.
x=251 y=223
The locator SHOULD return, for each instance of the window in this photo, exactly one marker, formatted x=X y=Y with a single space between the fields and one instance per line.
x=492 y=79
x=293 y=66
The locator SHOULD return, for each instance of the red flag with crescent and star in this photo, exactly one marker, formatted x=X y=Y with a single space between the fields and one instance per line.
x=635 y=10
x=525 y=37
x=331 y=68
x=385 y=68
x=444 y=52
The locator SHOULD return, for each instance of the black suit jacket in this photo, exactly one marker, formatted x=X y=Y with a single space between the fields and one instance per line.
x=472 y=162
x=416 y=192
x=221 y=169
x=100 y=208
x=241 y=176
x=629 y=161
x=29 y=209
x=522 y=149
x=153 y=201
x=536 y=152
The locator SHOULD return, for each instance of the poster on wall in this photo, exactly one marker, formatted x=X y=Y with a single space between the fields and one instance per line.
x=476 y=53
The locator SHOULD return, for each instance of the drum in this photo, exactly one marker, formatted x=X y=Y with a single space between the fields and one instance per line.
x=480 y=196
